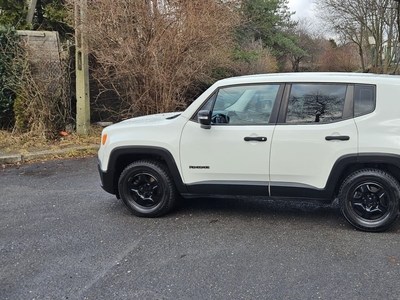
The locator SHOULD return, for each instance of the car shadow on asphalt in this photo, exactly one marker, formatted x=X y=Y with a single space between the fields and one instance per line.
x=309 y=213
x=303 y=214
x=259 y=205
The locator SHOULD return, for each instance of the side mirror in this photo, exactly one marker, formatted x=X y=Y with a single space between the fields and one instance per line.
x=204 y=117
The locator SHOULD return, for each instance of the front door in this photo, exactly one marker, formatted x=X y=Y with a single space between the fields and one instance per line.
x=232 y=157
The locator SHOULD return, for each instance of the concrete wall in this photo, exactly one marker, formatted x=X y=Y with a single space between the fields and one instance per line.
x=43 y=54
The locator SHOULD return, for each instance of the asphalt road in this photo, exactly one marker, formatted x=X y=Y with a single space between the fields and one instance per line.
x=63 y=237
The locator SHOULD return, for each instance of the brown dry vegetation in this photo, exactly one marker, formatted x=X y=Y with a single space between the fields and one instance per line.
x=151 y=55
x=42 y=105
x=28 y=142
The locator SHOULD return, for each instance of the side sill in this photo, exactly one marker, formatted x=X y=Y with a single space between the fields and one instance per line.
x=228 y=188
x=301 y=199
x=278 y=190
x=293 y=190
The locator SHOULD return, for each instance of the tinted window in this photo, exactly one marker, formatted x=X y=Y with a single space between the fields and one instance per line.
x=364 y=99
x=316 y=103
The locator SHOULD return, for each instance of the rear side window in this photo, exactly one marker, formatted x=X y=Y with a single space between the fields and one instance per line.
x=364 y=99
x=316 y=103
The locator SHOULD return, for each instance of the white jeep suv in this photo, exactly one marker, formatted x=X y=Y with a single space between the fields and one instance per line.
x=314 y=136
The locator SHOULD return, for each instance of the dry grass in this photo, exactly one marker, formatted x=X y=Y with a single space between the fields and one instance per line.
x=28 y=142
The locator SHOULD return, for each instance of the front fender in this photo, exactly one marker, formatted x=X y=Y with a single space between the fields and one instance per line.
x=121 y=157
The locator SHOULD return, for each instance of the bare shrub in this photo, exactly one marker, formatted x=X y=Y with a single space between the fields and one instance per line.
x=340 y=59
x=42 y=105
x=8 y=47
x=150 y=53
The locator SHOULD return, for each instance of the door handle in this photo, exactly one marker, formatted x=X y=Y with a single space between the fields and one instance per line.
x=255 y=139
x=337 y=138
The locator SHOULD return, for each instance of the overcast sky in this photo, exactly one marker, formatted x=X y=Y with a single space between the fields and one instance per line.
x=303 y=8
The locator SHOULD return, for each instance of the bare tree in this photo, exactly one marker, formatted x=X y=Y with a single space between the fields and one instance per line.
x=150 y=53
x=312 y=43
x=341 y=58
x=370 y=24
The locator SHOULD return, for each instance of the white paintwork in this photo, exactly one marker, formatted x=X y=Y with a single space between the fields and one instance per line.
x=379 y=132
x=298 y=153
x=224 y=151
x=152 y=130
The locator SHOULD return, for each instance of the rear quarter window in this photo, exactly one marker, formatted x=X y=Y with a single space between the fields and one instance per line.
x=364 y=99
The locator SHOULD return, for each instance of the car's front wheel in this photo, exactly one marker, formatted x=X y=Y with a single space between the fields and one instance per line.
x=147 y=189
x=369 y=199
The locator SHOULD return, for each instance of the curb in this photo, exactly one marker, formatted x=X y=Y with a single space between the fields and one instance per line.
x=12 y=158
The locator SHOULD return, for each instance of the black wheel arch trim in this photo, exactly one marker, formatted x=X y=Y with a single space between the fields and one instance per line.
x=349 y=160
x=392 y=159
x=110 y=178
x=281 y=189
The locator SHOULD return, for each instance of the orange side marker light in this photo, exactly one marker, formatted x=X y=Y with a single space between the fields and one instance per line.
x=103 y=139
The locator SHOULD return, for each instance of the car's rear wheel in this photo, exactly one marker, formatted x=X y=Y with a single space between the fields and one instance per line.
x=147 y=189
x=369 y=199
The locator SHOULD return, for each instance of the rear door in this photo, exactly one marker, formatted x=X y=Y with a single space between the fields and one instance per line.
x=315 y=129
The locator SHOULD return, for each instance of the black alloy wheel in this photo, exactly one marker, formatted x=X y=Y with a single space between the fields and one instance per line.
x=147 y=189
x=369 y=199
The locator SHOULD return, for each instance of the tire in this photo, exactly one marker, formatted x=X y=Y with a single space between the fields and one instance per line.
x=147 y=189
x=369 y=199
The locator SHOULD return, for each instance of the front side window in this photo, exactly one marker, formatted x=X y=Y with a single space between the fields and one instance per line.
x=245 y=104
x=316 y=103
